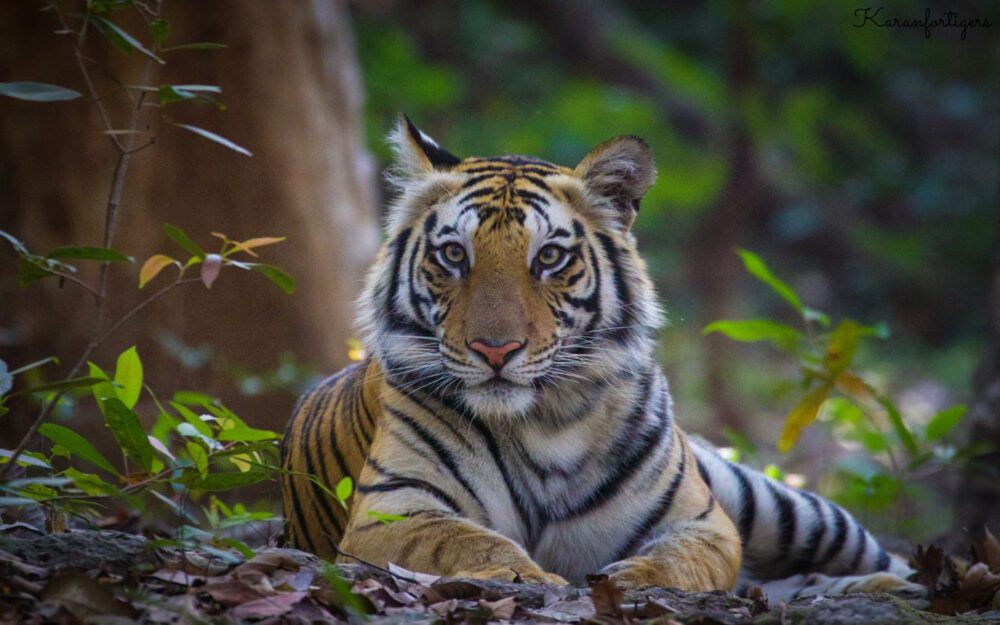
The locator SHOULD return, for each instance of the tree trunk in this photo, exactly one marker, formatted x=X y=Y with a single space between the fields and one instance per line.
x=291 y=83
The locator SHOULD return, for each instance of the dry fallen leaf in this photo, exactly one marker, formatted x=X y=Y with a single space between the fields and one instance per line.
x=606 y=595
x=501 y=610
x=987 y=550
x=83 y=597
x=268 y=606
x=231 y=592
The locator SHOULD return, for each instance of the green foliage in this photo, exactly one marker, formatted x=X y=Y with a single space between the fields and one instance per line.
x=837 y=393
x=196 y=446
x=37 y=92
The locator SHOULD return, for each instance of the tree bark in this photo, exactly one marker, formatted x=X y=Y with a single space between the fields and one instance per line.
x=291 y=83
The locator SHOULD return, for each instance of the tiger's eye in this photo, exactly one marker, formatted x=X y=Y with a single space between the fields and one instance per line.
x=550 y=255
x=454 y=253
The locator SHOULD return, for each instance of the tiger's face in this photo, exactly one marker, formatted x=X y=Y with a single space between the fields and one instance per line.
x=511 y=284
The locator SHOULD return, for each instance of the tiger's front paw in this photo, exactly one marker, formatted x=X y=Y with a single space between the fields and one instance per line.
x=636 y=572
x=532 y=576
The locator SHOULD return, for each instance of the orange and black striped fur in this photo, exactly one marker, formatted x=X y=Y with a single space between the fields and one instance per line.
x=512 y=411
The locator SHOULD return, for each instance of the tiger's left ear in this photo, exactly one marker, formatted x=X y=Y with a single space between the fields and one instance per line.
x=417 y=153
x=618 y=173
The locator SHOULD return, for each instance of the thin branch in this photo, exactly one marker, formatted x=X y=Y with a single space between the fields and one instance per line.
x=74 y=279
x=91 y=89
x=146 y=302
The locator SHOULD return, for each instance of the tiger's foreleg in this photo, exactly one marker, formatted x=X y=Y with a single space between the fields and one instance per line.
x=442 y=544
x=694 y=547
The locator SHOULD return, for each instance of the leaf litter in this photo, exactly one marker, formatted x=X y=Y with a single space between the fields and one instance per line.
x=167 y=586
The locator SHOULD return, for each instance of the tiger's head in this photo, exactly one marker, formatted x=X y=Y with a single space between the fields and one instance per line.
x=510 y=284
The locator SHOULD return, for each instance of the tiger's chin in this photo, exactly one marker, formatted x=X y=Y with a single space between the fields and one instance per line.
x=498 y=399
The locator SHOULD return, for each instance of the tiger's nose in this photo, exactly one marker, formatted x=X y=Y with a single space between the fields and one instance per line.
x=496 y=353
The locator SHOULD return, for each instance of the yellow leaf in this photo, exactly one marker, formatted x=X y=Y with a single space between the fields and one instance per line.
x=355 y=351
x=801 y=416
x=851 y=384
x=249 y=244
x=152 y=267
x=242 y=462
x=841 y=347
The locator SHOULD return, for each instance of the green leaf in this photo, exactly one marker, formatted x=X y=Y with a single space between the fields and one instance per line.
x=227 y=481
x=90 y=253
x=12 y=502
x=77 y=445
x=29 y=271
x=197 y=422
x=341 y=591
x=128 y=376
x=194 y=398
x=232 y=543
x=944 y=422
x=91 y=484
x=204 y=45
x=160 y=29
x=899 y=426
x=385 y=517
x=103 y=390
x=284 y=281
x=37 y=92
x=820 y=317
x=128 y=431
x=16 y=243
x=235 y=429
x=62 y=385
x=181 y=238
x=199 y=457
x=749 y=330
x=208 y=134
x=169 y=94
x=34 y=365
x=759 y=269
x=124 y=41
x=6 y=379
x=344 y=489
x=199 y=88
x=774 y=472
x=26 y=458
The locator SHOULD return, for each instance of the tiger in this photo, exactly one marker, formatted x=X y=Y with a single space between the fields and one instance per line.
x=510 y=420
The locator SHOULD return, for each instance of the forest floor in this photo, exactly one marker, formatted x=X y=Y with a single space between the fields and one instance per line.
x=114 y=578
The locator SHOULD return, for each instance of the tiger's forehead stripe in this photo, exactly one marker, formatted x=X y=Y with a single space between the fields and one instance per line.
x=505 y=188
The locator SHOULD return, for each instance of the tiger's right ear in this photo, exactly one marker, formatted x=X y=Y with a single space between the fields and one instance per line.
x=417 y=153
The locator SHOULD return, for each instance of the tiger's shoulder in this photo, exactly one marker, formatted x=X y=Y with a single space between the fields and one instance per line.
x=315 y=457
